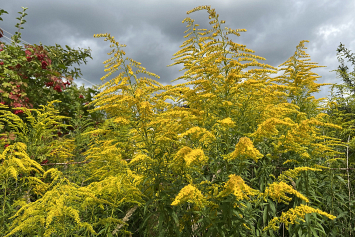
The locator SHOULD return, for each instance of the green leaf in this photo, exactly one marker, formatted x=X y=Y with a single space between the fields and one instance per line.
x=62 y=66
x=272 y=206
x=320 y=229
x=313 y=231
x=265 y=214
x=2 y=11
x=176 y=219
x=102 y=231
x=308 y=219
x=6 y=84
x=236 y=213
x=341 y=179
x=341 y=215
x=160 y=225
x=300 y=232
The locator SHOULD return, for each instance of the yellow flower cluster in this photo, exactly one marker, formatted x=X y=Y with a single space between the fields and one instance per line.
x=179 y=157
x=291 y=161
x=237 y=186
x=268 y=127
x=15 y=162
x=189 y=193
x=277 y=191
x=198 y=8
x=122 y=120
x=197 y=132
x=245 y=147
x=293 y=215
x=196 y=155
x=293 y=173
x=227 y=122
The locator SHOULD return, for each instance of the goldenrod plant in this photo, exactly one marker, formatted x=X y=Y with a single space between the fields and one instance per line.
x=340 y=108
x=240 y=160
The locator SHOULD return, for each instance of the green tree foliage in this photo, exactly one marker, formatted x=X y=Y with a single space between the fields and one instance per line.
x=31 y=77
x=343 y=96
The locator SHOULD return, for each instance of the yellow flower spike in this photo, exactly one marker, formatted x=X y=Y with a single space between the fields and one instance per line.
x=195 y=156
x=197 y=132
x=290 y=161
x=227 y=122
x=246 y=148
x=237 y=186
x=293 y=173
x=294 y=215
x=189 y=193
x=277 y=191
x=246 y=226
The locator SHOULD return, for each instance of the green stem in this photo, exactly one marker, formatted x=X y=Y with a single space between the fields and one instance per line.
x=307 y=184
x=3 y=206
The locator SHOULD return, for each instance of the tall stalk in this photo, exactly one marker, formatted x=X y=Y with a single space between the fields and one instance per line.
x=347 y=171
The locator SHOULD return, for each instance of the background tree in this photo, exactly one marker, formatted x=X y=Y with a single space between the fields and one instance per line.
x=45 y=84
x=343 y=97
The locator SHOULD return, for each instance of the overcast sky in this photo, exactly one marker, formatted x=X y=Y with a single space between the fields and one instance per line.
x=153 y=31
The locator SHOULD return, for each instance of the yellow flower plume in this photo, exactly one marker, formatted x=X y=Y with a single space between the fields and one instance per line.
x=293 y=215
x=246 y=148
x=237 y=186
x=277 y=191
x=189 y=193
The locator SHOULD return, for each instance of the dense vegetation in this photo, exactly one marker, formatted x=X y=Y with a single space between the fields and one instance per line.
x=250 y=155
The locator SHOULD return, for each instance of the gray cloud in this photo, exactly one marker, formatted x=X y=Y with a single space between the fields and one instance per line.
x=153 y=31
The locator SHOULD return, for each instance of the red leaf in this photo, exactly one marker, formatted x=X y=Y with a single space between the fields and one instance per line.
x=44 y=162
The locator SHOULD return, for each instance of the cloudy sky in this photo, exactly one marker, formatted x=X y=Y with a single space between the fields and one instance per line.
x=153 y=31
